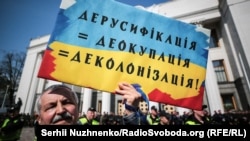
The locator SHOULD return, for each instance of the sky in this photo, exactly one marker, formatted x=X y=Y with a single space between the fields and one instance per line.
x=23 y=20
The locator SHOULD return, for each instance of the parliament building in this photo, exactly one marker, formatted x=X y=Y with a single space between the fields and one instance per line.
x=227 y=84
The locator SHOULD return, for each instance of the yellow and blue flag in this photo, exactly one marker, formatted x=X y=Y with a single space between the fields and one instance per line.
x=99 y=43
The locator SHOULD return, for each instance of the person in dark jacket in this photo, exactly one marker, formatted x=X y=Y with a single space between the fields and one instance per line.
x=132 y=95
x=198 y=117
x=12 y=125
x=165 y=118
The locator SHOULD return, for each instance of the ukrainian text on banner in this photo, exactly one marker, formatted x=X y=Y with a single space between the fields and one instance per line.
x=97 y=44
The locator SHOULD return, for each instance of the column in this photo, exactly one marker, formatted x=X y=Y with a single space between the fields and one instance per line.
x=87 y=98
x=106 y=100
x=212 y=89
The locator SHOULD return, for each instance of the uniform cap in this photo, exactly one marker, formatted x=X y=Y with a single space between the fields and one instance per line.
x=12 y=109
x=91 y=109
x=165 y=114
x=153 y=108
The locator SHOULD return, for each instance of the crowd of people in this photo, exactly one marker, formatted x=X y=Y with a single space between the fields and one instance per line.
x=58 y=105
x=192 y=117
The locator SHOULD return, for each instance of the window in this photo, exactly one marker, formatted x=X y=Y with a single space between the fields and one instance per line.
x=214 y=42
x=120 y=107
x=228 y=102
x=99 y=108
x=168 y=108
x=220 y=71
x=143 y=107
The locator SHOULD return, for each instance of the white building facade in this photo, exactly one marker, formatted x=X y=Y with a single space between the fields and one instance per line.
x=227 y=80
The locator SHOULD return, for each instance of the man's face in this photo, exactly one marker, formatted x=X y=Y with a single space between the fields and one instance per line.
x=11 y=114
x=153 y=111
x=58 y=108
x=90 y=115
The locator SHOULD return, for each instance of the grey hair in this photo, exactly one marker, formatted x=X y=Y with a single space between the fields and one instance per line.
x=37 y=107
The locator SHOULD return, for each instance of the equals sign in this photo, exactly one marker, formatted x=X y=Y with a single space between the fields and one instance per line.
x=63 y=53
x=82 y=35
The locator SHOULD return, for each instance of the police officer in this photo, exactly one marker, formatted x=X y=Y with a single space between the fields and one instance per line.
x=89 y=119
x=165 y=118
x=198 y=117
x=12 y=125
x=152 y=117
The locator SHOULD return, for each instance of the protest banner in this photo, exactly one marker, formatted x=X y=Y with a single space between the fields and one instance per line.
x=97 y=44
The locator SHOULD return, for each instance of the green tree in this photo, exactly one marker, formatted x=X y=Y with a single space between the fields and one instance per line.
x=11 y=68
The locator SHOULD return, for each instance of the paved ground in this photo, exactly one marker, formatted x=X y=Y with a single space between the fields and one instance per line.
x=28 y=134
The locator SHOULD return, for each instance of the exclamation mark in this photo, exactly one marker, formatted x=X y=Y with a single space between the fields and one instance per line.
x=197 y=82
